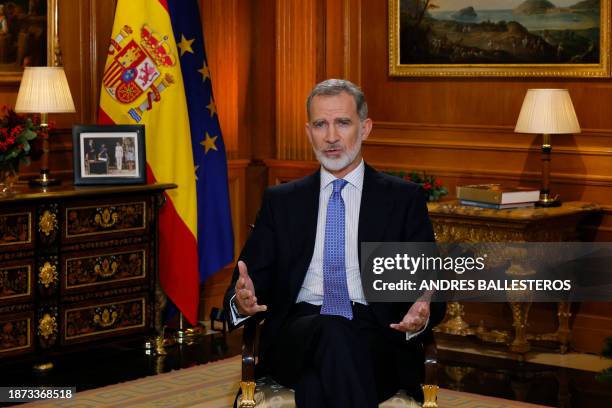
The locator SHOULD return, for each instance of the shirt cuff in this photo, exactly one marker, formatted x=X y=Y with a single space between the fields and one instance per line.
x=413 y=334
x=236 y=317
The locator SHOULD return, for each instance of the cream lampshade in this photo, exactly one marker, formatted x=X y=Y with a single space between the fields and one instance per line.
x=44 y=90
x=547 y=111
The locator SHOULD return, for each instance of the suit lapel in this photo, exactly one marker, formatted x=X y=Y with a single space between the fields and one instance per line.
x=303 y=226
x=376 y=208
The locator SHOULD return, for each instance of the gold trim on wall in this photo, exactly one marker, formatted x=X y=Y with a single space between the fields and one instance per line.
x=54 y=52
x=600 y=70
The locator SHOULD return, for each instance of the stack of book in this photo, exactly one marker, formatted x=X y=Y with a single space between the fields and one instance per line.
x=497 y=196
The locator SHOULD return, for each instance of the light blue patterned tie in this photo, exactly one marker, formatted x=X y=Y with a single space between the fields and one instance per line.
x=336 y=300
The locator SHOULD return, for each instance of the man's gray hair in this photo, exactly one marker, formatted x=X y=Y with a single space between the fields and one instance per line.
x=331 y=87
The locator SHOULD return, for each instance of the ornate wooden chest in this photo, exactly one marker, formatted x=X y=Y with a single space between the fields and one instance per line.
x=77 y=265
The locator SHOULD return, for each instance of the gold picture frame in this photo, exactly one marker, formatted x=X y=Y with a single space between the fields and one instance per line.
x=11 y=71
x=442 y=65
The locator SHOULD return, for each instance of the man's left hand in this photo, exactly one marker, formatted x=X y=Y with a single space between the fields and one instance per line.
x=415 y=319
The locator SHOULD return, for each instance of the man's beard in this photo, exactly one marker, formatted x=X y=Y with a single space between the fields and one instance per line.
x=342 y=161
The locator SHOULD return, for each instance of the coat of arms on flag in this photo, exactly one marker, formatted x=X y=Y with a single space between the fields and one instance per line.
x=136 y=69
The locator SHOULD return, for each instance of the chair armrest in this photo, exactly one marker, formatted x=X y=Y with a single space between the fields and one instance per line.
x=248 y=349
x=431 y=358
x=430 y=387
x=247 y=382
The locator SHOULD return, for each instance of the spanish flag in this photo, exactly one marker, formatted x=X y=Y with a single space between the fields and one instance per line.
x=143 y=84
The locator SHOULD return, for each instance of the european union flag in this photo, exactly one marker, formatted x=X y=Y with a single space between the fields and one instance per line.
x=215 y=236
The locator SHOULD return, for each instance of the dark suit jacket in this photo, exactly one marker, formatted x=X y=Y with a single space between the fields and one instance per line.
x=279 y=250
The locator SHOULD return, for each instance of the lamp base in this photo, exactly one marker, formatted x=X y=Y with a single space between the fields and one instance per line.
x=546 y=200
x=44 y=180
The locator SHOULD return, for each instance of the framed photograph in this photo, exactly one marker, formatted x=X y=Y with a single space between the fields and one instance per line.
x=28 y=36
x=112 y=154
x=499 y=38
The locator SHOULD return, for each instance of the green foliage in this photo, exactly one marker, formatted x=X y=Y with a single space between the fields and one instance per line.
x=432 y=187
x=606 y=375
x=16 y=134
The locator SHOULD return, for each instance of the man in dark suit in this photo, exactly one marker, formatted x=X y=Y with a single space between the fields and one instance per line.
x=300 y=269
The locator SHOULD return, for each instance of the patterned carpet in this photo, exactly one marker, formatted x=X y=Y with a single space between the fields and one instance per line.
x=214 y=385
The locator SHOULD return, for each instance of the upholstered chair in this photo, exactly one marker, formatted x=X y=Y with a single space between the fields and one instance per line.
x=265 y=393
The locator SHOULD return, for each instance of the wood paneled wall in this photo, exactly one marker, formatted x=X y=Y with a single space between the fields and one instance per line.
x=264 y=58
x=296 y=71
x=460 y=129
x=463 y=129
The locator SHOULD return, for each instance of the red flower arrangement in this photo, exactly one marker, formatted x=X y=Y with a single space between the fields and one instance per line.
x=432 y=187
x=16 y=134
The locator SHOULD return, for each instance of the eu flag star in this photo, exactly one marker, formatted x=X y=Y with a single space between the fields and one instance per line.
x=212 y=108
x=204 y=71
x=185 y=45
x=209 y=143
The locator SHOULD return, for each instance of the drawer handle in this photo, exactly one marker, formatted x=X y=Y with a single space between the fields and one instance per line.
x=106 y=218
x=106 y=267
x=47 y=274
x=105 y=317
x=47 y=222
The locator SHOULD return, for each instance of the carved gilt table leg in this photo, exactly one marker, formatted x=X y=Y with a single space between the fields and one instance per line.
x=454 y=323
x=520 y=314
x=563 y=333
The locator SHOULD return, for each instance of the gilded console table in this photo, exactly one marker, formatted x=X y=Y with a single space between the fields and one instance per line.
x=456 y=223
x=77 y=266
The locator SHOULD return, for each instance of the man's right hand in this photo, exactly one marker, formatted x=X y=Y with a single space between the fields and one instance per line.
x=245 y=299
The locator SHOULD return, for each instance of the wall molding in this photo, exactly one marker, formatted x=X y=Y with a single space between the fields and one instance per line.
x=280 y=166
x=465 y=137
x=589 y=332
x=470 y=128
x=523 y=176
x=386 y=141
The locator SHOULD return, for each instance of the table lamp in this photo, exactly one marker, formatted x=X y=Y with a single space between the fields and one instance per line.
x=547 y=111
x=44 y=90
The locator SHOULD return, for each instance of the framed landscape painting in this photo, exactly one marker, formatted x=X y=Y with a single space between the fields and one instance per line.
x=515 y=38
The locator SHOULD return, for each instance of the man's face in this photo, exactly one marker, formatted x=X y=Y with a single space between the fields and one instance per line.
x=336 y=132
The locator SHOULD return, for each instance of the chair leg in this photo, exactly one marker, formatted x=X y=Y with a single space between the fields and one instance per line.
x=247 y=400
x=430 y=393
